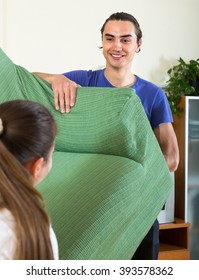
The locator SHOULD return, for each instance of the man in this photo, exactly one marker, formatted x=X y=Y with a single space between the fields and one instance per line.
x=121 y=40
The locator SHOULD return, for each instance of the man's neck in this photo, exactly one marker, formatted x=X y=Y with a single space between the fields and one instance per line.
x=119 y=77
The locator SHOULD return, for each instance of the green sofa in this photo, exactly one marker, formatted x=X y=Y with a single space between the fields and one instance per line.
x=109 y=179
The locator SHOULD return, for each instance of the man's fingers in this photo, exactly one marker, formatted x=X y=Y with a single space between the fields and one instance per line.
x=56 y=99
x=72 y=97
x=64 y=93
x=67 y=96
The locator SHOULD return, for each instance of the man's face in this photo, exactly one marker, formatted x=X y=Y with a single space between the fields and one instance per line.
x=119 y=43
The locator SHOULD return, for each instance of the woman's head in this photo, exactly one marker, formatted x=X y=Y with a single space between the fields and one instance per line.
x=27 y=134
x=27 y=131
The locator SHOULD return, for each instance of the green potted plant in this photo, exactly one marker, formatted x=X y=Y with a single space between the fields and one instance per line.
x=183 y=81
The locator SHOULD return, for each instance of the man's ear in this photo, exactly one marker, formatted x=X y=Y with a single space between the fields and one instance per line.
x=139 y=45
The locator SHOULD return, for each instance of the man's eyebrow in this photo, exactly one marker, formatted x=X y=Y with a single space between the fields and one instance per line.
x=123 y=36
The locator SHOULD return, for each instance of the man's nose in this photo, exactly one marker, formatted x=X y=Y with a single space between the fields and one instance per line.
x=117 y=45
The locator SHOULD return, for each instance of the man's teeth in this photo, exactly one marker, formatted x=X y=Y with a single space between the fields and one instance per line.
x=116 y=55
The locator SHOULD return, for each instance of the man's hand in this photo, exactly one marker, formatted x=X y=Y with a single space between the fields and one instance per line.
x=64 y=90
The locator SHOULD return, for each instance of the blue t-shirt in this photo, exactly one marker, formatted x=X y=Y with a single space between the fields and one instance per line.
x=153 y=98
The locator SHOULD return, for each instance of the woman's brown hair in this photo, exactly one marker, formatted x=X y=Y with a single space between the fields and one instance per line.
x=27 y=132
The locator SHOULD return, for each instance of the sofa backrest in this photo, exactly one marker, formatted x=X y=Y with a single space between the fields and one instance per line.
x=104 y=120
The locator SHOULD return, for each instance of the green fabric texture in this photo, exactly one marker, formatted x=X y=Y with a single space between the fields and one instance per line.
x=109 y=179
x=101 y=205
x=104 y=120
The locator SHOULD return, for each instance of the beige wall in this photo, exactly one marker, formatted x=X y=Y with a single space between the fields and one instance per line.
x=57 y=36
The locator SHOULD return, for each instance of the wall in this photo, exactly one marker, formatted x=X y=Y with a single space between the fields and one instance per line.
x=57 y=36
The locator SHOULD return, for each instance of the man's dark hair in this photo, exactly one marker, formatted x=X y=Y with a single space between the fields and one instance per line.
x=124 y=17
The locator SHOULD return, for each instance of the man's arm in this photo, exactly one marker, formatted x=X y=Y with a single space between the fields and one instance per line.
x=167 y=140
x=63 y=88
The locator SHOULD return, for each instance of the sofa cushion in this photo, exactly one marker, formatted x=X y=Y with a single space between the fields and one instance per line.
x=101 y=206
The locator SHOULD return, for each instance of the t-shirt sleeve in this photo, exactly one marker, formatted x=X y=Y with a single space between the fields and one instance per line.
x=161 y=112
x=81 y=77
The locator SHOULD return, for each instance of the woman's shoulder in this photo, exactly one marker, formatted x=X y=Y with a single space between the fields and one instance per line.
x=7 y=235
x=54 y=243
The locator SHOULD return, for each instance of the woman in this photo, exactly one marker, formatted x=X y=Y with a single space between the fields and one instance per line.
x=27 y=134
